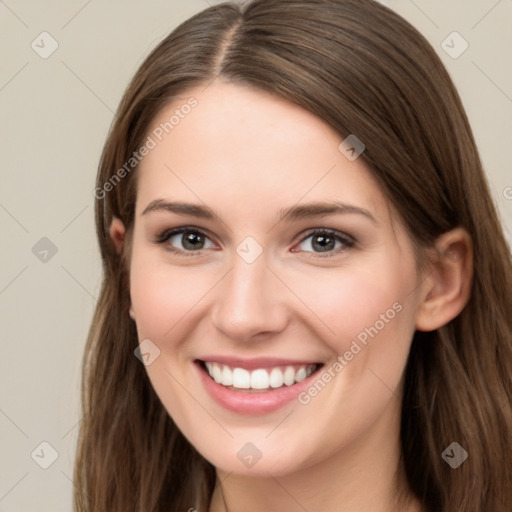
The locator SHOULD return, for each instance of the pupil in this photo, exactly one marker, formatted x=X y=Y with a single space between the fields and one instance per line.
x=190 y=241
x=323 y=243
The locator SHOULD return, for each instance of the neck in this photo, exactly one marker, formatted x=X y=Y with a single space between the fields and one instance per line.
x=366 y=476
x=296 y=494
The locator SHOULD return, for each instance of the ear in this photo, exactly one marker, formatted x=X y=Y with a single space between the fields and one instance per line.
x=447 y=285
x=117 y=232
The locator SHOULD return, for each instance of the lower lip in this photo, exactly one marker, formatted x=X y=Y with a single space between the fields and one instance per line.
x=244 y=402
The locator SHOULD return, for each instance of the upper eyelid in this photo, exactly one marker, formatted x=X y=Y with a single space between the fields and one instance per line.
x=332 y=231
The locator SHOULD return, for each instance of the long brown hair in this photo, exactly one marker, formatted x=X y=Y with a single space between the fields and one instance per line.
x=363 y=70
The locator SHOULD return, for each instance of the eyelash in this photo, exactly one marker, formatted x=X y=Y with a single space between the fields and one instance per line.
x=347 y=241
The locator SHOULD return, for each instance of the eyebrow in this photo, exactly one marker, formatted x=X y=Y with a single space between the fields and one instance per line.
x=300 y=211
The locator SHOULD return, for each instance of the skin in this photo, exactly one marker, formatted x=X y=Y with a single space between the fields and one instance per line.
x=247 y=154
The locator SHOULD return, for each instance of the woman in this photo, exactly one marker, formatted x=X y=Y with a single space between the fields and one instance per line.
x=300 y=249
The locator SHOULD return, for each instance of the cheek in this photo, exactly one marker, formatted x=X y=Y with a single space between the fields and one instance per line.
x=368 y=321
x=355 y=301
x=163 y=298
x=161 y=294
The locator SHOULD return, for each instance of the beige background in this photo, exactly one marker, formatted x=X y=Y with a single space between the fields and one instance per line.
x=55 y=113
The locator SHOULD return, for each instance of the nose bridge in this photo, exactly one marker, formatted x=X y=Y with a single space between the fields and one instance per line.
x=247 y=301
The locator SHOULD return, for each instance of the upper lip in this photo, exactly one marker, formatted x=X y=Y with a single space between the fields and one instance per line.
x=255 y=363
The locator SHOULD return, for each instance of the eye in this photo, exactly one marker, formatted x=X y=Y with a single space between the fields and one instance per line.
x=185 y=240
x=189 y=240
x=326 y=241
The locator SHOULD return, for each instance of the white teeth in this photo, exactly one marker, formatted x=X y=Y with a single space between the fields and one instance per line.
x=217 y=373
x=227 y=376
x=241 y=378
x=289 y=376
x=300 y=375
x=276 y=378
x=258 y=379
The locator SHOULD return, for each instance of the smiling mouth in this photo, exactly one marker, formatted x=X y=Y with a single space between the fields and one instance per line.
x=260 y=379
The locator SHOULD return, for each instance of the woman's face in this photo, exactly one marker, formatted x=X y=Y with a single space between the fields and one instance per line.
x=284 y=261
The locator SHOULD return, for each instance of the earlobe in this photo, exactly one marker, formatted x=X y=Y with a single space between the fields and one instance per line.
x=447 y=284
x=117 y=232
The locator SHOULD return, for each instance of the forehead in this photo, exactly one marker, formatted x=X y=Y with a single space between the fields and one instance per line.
x=237 y=148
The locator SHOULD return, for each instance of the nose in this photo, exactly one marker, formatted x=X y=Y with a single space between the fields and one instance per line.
x=250 y=301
